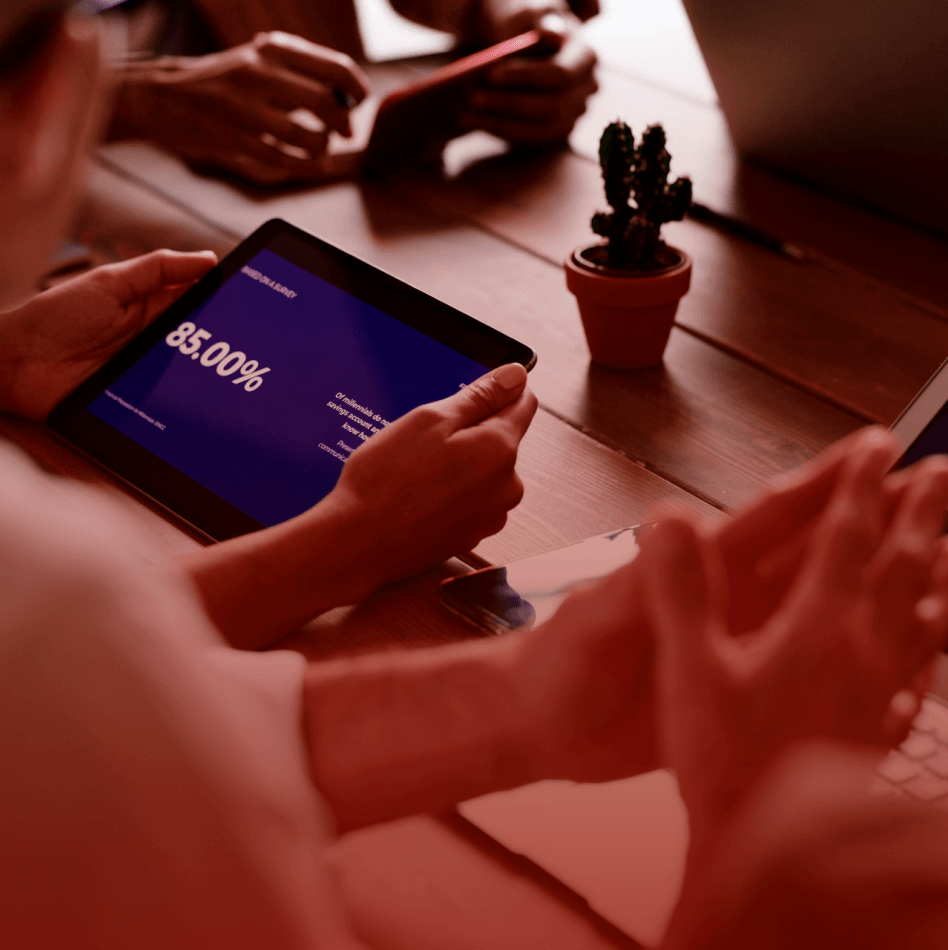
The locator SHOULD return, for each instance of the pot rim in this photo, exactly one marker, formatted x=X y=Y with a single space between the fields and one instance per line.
x=616 y=273
x=645 y=289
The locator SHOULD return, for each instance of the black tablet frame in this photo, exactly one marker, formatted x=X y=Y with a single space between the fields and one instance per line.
x=182 y=496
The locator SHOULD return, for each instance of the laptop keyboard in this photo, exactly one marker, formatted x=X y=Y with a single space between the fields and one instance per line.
x=918 y=769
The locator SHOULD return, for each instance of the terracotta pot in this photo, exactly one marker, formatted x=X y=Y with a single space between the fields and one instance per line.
x=627 y=315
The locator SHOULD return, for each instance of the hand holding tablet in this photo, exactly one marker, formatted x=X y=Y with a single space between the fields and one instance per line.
x=442 y=478
x=56 y=339
x=431 y=485
x=237 y=408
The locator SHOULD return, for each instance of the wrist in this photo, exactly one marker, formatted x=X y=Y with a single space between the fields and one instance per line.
x=129 y=107
x=11 y=366
x=138 y=81
x=538 y=738
x=8 y=401
x=445 y=724
x=524 y=731
x=586 y=678
x=339 y=527
x=528 y=740
x=262 y=586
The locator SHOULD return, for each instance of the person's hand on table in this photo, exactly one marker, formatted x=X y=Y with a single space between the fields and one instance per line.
x=430 y=485
x=57 y=339
x=849 y=607
x=535 y=99
x=232 y=110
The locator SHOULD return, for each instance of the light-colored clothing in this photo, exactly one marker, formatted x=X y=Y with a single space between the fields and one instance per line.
x=154 y=788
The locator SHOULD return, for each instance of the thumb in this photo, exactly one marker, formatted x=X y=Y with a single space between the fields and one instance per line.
x=679 y=591
x=184 y=268
x=142 y=276
x=485 y=397
x=554 y=31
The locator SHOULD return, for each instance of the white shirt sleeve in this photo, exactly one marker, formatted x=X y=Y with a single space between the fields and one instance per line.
x=153 y=782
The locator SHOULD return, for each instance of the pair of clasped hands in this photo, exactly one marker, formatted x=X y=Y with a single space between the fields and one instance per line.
x=812 y=617
x=239 y=110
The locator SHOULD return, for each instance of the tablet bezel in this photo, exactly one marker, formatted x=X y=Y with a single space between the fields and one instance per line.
x=185 y=498
x=922 y=410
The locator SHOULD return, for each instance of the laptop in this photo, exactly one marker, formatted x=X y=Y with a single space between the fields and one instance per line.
x=848 y=94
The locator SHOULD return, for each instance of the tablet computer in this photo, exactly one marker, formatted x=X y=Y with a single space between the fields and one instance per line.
x=237 y=407
x=922 y=428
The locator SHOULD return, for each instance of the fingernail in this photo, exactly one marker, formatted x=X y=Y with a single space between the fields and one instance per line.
x=554 y=23
x=510 y=376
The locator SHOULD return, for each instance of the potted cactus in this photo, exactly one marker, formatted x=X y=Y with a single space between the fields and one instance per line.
x=629 y=285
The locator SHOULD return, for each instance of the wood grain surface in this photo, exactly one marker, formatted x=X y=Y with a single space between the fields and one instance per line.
x=761 y=423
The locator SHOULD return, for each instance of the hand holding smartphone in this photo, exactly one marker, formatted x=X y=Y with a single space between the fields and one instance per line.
x=423 y=115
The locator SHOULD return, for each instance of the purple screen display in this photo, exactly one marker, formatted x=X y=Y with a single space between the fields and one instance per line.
x=268 y=387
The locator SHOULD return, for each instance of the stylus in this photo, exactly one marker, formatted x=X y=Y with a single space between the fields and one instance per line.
x=725 y=222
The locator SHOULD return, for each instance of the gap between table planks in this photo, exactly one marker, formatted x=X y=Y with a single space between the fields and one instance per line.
x=751 y=425
x=876 y=290
x=824 y=330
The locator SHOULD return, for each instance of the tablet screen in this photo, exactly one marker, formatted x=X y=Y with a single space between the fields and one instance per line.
x=261 y=392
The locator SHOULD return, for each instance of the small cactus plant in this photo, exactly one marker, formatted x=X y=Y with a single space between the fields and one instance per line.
x=633 y=232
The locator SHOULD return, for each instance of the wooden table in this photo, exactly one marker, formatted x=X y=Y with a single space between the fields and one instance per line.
x=770 y=361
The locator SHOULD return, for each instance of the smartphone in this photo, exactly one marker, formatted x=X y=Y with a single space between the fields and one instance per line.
x=412 y=120
x=525 y=593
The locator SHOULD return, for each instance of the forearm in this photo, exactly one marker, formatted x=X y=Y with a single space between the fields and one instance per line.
x=9 y=369
x=262 y=586
x=398 y=734
x=137 y=102
x=748 y=871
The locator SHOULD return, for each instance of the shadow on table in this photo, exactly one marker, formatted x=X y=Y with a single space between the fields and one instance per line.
x=400 y=616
